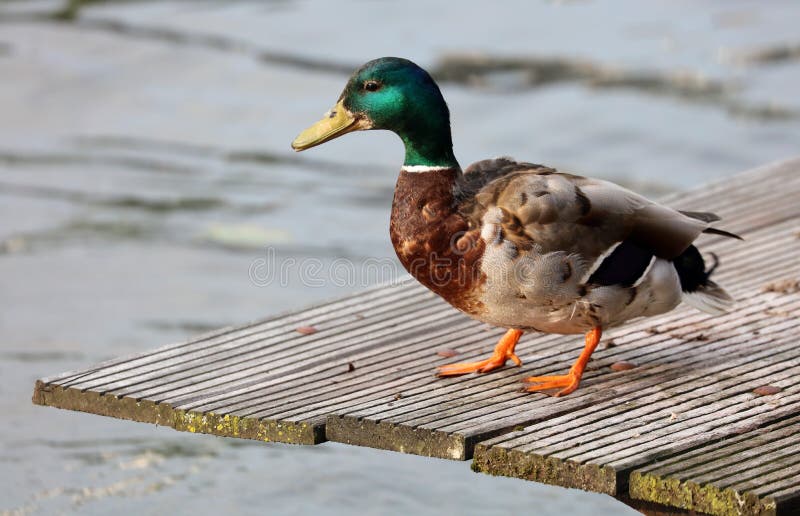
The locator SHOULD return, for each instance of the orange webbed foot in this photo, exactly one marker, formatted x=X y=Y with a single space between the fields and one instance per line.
x=483 y=366
x=570 y=381
x=567 y=383
x=503 y=352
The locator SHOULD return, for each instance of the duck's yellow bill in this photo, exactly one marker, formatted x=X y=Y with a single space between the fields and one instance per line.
x=338 y=121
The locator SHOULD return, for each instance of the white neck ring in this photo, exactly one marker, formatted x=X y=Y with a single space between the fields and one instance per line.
x=416 y=169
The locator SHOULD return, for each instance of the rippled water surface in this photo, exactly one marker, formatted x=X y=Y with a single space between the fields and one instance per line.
x=145 y=165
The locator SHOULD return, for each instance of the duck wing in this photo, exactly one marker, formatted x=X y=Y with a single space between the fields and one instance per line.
x=614 y=232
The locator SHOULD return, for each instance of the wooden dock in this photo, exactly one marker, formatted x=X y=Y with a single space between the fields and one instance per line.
x=687 y=411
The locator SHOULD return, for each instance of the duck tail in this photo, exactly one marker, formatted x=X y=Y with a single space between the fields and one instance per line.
x=698 y=289
x=709 y=298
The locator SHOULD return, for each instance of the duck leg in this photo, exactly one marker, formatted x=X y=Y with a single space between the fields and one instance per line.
x=571 y=380
x=502 y=352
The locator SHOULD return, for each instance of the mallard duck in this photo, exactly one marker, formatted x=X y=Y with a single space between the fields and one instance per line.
x=515 y=244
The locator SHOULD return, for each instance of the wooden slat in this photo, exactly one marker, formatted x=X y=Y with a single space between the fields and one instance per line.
x=756 y=472
x=312 y=314
x=366 y=376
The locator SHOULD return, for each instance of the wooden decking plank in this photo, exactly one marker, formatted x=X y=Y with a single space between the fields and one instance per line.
x=714 y=195
x=786 y=476
x=733 y=412
x=711 y=456
x=607 y=478
x=770 y=469
x=226 y=425
x=648 y=405
x=376 y=385
x=246 y=391
x=695 y=391
x=304 y=349
x=619 y=452
x=309 y=431
x=279 y=325
x=303 y=391
x=250 y=399
x=787 y=500
x=425 y=360
x=285 y=336
x=731 y=200
x=720 y=482
x=439 y=390
x=729 y=453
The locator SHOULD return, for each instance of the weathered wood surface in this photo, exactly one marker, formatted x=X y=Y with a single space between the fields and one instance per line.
x=756 y=472
x=229 y=382
x=366 y=375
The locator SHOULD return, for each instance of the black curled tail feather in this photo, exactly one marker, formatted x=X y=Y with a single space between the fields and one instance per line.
x=698 y=289
x=722 y=232
x=709 y=218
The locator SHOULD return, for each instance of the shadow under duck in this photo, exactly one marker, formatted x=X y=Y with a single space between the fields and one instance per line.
x=519 y=245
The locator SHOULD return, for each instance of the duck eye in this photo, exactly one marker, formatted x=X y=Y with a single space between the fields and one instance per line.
x=372 y=85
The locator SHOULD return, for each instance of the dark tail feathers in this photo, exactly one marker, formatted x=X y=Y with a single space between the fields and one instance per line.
x=709 y=217
x=698 y=289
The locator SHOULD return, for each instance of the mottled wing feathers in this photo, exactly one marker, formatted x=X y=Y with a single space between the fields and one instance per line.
x=478 y=176
x=562 y=212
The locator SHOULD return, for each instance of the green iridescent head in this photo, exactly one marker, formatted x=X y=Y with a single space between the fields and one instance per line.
x=397 y=95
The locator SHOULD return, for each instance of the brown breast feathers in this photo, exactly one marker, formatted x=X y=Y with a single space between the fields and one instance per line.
x=433 y=241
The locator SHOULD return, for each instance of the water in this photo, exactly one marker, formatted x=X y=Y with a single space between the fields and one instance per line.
x=145 y=165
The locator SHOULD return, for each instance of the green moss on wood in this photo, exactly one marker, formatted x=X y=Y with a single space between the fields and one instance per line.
x=495 y=460
x=704 y=498
x=186 y=421
x=389 y=436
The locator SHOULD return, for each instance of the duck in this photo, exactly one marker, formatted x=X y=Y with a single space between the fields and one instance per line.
x=519 y=245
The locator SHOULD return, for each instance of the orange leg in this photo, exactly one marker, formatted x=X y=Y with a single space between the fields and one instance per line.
x=571 y=380
x=502 y=352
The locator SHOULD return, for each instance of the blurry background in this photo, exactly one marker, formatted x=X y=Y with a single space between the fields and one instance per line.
x=145 y=165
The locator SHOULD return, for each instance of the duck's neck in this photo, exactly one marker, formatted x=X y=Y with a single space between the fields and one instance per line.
x=423 y=197
x=425 y=188
x=428 y=141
